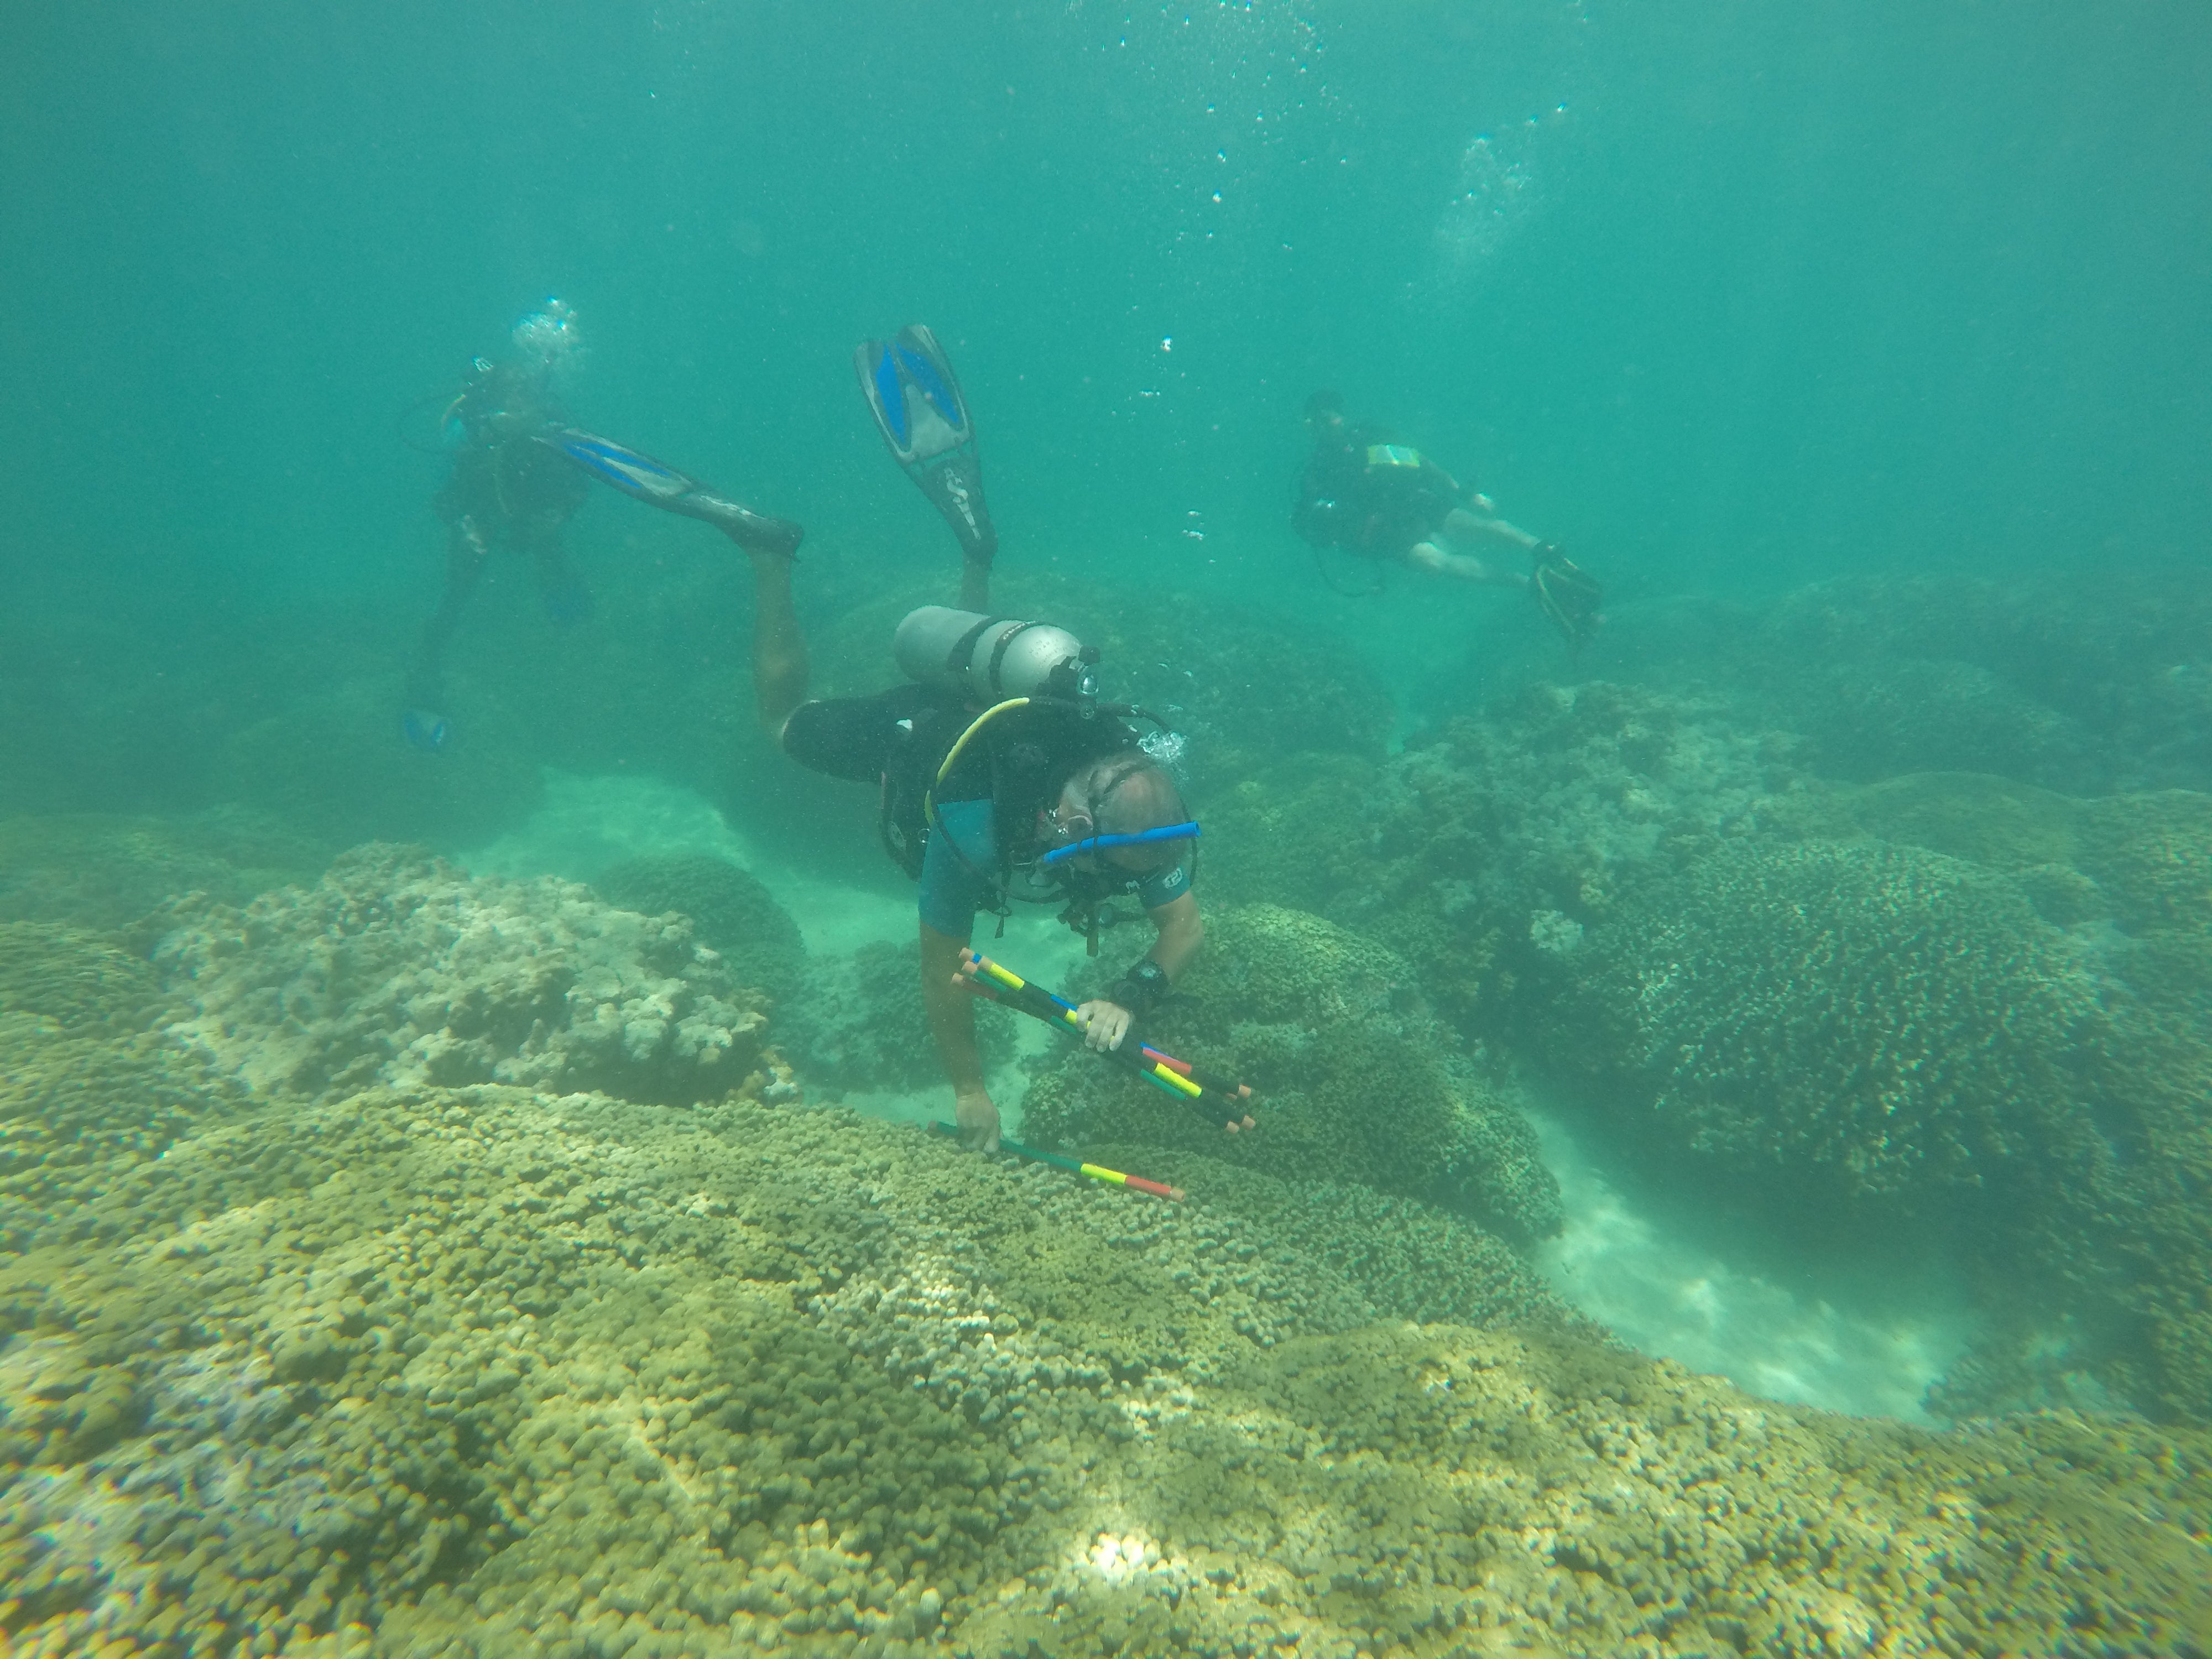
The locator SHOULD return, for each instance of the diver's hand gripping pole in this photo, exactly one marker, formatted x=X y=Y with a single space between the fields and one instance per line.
x=1220 y=1101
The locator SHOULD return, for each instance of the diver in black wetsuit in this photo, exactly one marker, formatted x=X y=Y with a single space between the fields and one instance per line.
x=506 y=491
x=999 y=774
x=1379 y=499
x=519 y=473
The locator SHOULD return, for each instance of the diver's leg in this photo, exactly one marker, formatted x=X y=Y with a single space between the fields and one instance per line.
x=465 y=553
x=561 y=586
x=974 y=584
x=1462 y=525
x=780 y=669
x=1460 y=566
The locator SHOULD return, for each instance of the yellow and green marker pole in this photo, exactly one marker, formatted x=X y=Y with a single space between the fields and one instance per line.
x=1096 y=1171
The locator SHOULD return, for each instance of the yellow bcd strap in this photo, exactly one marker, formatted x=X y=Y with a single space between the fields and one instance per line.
x=960 y=745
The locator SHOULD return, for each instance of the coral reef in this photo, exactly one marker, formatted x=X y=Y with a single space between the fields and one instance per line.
x=1360 y=1080
x=1854 y=1034
x=2085 y=683
x=1458 y=853
x=1298 y=834
x=856 y=1022
x=90 y=1095
x=729 y=909
x=1408 y=1259
x=399 y=967
x=70 y=977
x=102 y=870
x=482 y=1372
x=1898 y=1021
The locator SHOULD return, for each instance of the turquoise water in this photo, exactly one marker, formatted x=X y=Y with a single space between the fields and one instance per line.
x=1724 y=300
x=1818 y=963
x=1748 y=293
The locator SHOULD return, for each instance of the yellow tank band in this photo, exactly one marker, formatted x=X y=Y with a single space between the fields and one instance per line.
x=1392 y=455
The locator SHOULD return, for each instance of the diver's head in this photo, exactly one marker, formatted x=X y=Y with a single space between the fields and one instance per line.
x=1122 y=795
x=546 y=341
x=500 y=399
x=521 y=390
x=1324 y=411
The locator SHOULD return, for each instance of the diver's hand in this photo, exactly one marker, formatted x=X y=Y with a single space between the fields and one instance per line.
x=1104 y=1024
x=978 y=1118
x=1235 y=1124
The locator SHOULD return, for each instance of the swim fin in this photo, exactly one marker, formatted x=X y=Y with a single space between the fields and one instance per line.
x=666 y=488
x=1567 y=594
x=915 y=398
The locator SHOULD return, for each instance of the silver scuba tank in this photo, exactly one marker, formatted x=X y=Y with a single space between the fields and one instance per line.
x=990 y=659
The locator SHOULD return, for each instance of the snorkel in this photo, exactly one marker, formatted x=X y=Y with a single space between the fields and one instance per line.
x=1187 y=831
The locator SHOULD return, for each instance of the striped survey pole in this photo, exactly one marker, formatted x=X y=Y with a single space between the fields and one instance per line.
x=1221 y=1101
x=1073 y=1166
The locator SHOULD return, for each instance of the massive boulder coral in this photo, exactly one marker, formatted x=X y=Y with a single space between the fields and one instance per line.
x=731 y=911
x=103 y=870
x=2084 y=681
x=1871 y=1018
x=1860 y=1034
x=1359 y=1082
x=89 y=1093
x=399 y=967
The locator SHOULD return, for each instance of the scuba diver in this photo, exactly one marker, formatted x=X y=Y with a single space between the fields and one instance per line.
x=1000 y=775
x=1378 y=499
x=518 y=474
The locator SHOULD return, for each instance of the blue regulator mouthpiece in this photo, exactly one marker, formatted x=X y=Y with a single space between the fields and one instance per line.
x=1138 y=838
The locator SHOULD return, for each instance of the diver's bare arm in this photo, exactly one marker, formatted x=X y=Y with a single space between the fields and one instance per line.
x=951 y=1013
x=1183 y=931
x=951 y=1010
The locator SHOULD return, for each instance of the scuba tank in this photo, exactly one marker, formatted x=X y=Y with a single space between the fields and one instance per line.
x=1002 y=665
x=990 y=659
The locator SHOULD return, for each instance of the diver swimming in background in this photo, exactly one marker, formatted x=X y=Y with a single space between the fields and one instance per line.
x=999 y=775
x=1379 y=499
x=517 y=477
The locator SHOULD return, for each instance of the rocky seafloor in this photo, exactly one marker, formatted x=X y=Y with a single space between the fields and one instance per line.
x=397 y=1262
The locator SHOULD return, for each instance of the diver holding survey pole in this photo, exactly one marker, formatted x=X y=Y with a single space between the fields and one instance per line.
x=1000 y=774
x=1215 y=1099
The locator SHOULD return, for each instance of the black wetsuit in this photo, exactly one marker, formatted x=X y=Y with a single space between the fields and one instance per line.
x=505 y=490
x=1368 y=495
x=1012 y=771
